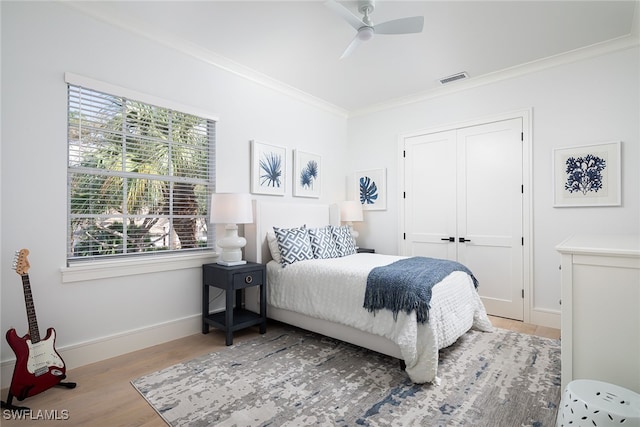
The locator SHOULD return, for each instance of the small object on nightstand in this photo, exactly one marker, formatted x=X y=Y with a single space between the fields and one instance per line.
x=365 y=251
x=233 y=278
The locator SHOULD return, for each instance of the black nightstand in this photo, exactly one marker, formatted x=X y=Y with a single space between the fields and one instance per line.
x=233 y=278
x=365 y=250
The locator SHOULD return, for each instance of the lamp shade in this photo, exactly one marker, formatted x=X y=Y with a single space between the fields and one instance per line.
x=231 y=208
x=350 y=211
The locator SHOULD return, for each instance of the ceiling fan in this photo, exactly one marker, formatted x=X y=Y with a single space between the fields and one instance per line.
x=365 y=28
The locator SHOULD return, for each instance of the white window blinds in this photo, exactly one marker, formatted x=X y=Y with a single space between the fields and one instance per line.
x=139 y=177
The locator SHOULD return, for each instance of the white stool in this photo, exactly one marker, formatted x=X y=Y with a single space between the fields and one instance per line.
x=589 y=403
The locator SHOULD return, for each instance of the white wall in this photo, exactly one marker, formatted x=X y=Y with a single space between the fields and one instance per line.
x=585 y=102
x=40 y=42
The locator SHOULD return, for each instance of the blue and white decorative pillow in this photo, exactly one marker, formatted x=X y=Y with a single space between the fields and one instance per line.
x=322 y=243
x=294 y=244
x=345 y=243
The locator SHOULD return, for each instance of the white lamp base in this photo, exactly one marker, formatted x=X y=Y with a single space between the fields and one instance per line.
x=354 y=233
x=231 y=245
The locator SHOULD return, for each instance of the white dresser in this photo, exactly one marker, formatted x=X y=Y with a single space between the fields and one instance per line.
x=600 y=336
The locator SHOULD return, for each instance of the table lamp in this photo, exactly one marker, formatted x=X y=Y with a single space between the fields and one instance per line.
x=231 y=209
x=350 y=212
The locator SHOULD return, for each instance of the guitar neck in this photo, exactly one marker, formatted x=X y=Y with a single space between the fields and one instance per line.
x=34 y=332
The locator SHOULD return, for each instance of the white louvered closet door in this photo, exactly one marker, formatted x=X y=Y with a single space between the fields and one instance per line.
x=464 y=202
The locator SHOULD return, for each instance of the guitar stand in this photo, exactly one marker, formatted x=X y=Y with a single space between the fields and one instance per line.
x=9 y=403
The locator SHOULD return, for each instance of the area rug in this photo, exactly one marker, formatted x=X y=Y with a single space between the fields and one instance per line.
x=290 y=377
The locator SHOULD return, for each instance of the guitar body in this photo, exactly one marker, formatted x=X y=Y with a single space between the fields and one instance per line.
x=38 y=365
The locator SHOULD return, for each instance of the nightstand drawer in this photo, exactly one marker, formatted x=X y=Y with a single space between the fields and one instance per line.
x=250 y=278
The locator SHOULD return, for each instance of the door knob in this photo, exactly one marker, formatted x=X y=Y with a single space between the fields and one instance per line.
x=462 y=240
x=450 y=239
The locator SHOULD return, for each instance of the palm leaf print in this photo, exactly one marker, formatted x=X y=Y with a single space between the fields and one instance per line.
x=368 y=191
x=270 y=170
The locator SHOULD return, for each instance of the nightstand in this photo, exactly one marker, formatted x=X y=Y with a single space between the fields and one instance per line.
x=233 y=278
x=365 y=250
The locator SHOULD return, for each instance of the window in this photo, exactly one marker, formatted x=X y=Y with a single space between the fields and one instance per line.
x=140 y=177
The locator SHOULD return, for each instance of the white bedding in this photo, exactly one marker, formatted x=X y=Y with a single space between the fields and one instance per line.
x=333 y=289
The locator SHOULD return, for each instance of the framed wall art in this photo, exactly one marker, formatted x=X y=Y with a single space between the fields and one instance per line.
x=268 y=166
x=371 y=188
x=587 y=175
x=307 y=174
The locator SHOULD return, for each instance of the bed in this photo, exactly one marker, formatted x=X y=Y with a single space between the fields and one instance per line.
x=326 y=295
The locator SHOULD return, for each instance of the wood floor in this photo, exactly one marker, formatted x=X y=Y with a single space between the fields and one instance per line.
x=105 y=397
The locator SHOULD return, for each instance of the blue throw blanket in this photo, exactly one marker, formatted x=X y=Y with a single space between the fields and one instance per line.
x=406 y=285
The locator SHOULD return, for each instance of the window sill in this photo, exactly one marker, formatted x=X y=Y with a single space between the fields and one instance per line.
x=129 y=267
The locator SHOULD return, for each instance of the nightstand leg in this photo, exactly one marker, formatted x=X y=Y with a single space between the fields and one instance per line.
x=205 y=308
x=228 y=318
x=263 y=308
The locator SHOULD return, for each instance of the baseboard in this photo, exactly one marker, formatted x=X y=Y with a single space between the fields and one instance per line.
x=77 y=355
x=548 y=318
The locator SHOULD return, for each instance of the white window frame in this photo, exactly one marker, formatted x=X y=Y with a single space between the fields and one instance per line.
x=114 y=267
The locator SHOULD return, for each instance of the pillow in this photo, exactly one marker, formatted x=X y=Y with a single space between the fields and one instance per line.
x=322 y=243
x=294 y=244
x=273 y=247
x=345 y=243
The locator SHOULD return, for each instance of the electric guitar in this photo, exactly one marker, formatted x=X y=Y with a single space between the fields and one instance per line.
x=38 y=364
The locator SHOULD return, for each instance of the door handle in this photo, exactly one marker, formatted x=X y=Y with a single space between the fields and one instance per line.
x=449 y=239
x=462 y=240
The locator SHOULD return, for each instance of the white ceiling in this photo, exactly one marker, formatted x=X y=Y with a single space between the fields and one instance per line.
x=299 y=43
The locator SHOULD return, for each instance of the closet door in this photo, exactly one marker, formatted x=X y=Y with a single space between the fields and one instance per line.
x=463 y=201
x=490 y=213
x=430 y=195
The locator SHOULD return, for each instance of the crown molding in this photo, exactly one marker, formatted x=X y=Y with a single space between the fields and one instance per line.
x=107 y=16
x=622 y=43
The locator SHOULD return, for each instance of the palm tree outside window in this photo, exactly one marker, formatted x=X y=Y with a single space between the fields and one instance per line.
x=139 y=177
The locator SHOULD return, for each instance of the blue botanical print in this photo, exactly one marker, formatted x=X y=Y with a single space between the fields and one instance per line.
x=309 y=174
x=271 y=170
x=584 y=174
x=368 y=191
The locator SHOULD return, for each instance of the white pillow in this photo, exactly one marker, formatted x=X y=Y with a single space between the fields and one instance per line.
x=294 y=244
x=345 y=243
x=322 y=243
x=273 y=246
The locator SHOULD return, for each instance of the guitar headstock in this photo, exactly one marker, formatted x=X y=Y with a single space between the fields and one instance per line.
x=20 y=262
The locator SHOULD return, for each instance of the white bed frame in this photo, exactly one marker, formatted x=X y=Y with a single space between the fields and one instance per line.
x=268 y=214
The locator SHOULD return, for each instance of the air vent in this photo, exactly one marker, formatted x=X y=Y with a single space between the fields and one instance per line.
x=453 y=78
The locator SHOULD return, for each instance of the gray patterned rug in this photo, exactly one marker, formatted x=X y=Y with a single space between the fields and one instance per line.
x=290 y=377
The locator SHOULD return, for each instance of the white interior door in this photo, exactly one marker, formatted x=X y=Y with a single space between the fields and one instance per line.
x=490 y=213
x=430 y=195
x=465 y=185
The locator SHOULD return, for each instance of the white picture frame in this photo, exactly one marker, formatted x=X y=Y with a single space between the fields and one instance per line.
x=307 y=174
x=588 y=175
x=371 y=189
x=268 y=169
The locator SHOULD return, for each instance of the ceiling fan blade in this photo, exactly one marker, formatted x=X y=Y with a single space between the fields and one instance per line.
x=346 y=14
x=352 y=46
x=410 y=25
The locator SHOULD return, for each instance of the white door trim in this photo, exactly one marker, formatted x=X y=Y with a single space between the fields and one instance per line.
x=527 y=181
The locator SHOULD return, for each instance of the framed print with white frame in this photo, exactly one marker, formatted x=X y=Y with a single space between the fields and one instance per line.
x=588 y=175
x=268 y=166
x=371 y=188
x=307 y=174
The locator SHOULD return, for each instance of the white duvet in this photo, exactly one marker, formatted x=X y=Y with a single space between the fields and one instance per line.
x=333 y=290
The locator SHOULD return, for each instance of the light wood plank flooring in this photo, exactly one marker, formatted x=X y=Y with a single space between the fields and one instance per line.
x=105 y=397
